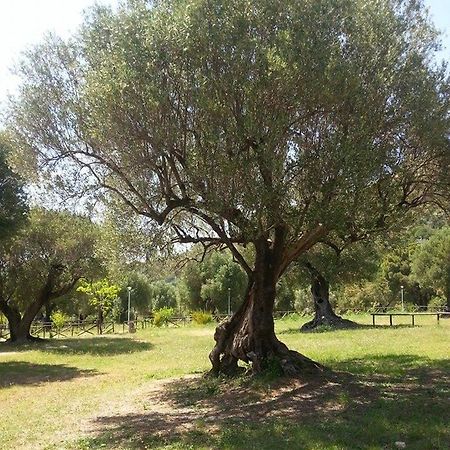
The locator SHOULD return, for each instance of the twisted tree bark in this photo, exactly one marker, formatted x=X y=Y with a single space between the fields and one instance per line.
x=249 y=335
x=20 y=325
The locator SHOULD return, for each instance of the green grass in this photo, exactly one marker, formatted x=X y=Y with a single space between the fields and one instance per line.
x=124 y=391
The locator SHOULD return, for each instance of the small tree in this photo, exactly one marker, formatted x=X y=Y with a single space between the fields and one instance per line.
x=102 y=296
x=59 y=319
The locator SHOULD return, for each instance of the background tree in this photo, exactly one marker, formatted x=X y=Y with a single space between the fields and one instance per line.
x=285 y=298
x=203 y=285
x=163 y=295
x=268 y=124
x=222 y=277
x=141 y=295
x=41 y=263
x=102 y=296
x=328 y=264
x=431 y=263
x=190 y=287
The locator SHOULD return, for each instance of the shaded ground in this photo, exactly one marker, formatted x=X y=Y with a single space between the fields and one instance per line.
x=368 y=403
x=13 y=373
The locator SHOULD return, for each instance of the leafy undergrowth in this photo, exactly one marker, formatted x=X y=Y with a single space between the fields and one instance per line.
x=148 y=391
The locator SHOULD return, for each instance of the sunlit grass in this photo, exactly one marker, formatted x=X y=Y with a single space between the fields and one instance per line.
x=50 y=392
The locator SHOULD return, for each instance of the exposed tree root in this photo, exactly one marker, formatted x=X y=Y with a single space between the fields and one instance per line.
x=263 y=355
x=25 y=340
x=333 y=321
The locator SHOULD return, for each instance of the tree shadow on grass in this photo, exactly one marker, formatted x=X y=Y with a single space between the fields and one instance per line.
x=19 y=373
x=98 y=346
x=371 y=405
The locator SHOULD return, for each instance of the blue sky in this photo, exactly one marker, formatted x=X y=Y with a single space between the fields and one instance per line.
x=23 y=23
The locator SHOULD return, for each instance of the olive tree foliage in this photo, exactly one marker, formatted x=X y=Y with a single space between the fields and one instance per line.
x=13 y=205
x=130 y=244
x=42 y=263
x=270 y=124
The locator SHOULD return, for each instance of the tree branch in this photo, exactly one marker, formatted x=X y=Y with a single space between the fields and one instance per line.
x=303 y=244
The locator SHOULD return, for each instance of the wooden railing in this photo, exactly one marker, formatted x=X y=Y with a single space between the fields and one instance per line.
x=49 y=330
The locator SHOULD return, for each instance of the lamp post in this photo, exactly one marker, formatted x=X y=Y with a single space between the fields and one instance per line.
x=129 y=303
x=229 y=301
x=401 y=293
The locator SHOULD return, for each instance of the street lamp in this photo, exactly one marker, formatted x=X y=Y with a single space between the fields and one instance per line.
x=129 y=303
x=401 y=293
x=229 y=301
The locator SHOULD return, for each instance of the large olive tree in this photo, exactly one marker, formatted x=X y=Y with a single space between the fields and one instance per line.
x=271 y=124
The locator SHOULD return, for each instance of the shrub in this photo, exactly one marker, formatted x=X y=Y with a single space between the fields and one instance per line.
x=59 y=319
x=163 y=316
x=437 y=304
x=201 y=317
x=363 y=297
x=408 y=307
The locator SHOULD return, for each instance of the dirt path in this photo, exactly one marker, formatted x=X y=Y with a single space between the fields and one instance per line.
x=168 y=410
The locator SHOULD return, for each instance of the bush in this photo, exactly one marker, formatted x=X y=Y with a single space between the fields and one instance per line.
x=163 y=316
x=201 y=317
x=363 y=297
x=437 y=304
x=59 y=319
x=408 y=307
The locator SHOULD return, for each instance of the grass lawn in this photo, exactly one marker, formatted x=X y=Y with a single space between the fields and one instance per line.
x=387 y=384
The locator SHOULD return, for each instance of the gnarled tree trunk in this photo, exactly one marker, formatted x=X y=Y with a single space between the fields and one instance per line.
x=249 y=335
x=323 y=311
x=20 y=325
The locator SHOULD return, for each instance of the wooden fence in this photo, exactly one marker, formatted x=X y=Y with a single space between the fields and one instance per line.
x=74 y=329
x=49 y=330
